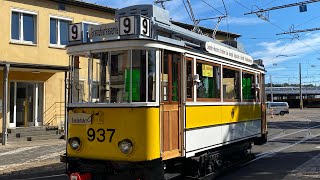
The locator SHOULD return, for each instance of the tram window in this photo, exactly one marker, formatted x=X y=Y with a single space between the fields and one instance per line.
x=120 y=77
x=189 y=77
x=258 y=89
x=151 y=75
x=231 y=84
x=138 y=76
x=175 y=76
x=248 y=86
x=209 y=85
x=95 y=90
x=165 y=77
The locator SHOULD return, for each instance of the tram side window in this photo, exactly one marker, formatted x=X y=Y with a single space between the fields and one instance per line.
x=189 y=77
x=120 y=77
x=151 y=75
x=209 y=85
x=258 y=89
x=248 y=86
x=231 y=84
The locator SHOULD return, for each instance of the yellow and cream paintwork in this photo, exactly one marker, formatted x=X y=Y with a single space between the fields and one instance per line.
x=205 y=124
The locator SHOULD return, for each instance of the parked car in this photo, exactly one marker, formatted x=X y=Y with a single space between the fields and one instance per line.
x=277 y=108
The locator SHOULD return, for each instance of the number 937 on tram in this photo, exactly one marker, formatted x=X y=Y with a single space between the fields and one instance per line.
x=148 y=99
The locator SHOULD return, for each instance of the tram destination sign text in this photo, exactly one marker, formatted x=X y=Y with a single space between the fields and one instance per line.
x=229 y=53
x=104 y=31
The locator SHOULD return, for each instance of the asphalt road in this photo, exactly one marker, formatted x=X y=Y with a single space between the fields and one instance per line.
x=293 y=140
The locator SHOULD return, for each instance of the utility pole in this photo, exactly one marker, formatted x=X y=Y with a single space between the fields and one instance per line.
x=301 y=100
x=5 y=104
x=271 y=88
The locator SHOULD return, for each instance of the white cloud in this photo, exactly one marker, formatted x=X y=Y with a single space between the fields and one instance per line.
x=242 y=21
x=280 y=51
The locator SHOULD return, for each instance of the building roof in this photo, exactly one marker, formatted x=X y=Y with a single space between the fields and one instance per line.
x=84 y=4
x=206 y=30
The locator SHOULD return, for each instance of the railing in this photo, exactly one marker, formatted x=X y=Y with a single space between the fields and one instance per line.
x=54 y=113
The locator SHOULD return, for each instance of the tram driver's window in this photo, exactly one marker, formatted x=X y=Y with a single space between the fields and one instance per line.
x=138 y=76
x=209 y=84
x=248 y=86
x=151 y=75
x=120 y=77
x=231 y=84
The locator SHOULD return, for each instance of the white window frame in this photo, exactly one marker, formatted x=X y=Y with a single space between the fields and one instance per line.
x=90 y=23
x=21 y=37
x=58 y=18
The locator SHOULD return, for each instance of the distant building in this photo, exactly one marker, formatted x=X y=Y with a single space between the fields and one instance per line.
x=310 y=95
x=33 y=38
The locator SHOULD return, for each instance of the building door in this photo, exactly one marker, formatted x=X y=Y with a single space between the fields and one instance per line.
x=170 y=105
x=26 y=101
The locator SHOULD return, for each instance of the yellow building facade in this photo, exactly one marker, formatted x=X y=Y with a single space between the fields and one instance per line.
x=33 y=36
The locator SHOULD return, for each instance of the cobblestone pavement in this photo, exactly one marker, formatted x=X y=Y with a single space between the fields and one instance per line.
x=30 y=157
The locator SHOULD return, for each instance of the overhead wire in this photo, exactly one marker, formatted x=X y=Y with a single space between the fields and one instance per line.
x=294 y=36
x=227 y=20
x=268 y=3
x=212 y=7
x=185 y=6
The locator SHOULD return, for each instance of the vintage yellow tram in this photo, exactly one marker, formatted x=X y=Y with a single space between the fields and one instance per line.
x=150 y=100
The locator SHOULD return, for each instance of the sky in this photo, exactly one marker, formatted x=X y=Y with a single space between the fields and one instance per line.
x=281 y=53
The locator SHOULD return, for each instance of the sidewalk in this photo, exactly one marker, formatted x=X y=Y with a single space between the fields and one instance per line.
x=30 y=156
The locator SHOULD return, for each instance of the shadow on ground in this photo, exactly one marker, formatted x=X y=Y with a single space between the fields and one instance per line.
x=53 y=171
x=276 y=166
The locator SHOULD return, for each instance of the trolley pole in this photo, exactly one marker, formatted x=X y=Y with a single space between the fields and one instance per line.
x=301 y=99
x=271 y=88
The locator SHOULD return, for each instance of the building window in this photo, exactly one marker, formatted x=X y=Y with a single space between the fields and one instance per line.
x=59 y=31
x=23 y=27
x=86 y=25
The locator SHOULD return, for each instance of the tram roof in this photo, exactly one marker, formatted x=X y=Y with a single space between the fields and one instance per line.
x=206 y=30
x=161 y=29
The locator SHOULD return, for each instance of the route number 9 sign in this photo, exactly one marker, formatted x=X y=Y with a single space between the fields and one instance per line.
x=75 y=32
x=145 y=26
x=127 y=25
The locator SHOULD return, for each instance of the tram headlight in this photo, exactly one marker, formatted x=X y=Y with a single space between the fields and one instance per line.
x=125 y=146
x=74 y=143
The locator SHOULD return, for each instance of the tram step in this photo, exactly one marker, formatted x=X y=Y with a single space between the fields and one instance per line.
x=172 y=176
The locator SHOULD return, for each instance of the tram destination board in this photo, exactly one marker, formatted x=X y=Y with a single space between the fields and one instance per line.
x=126 y=27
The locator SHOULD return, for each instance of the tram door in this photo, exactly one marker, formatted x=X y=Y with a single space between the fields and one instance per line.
x=170 y=105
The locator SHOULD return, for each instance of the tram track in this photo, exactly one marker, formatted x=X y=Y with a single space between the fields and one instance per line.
x=308 y=136
x=283 y=134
